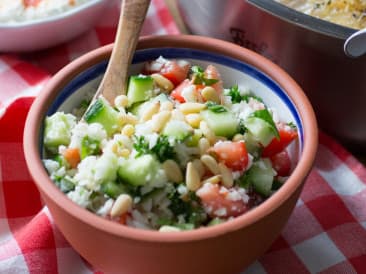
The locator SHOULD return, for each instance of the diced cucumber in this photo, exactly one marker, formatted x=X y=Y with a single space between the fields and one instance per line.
x=58 y=129
x=106 y=167
x=103 y=113
x=140 y=89
x=261 y=175
x=113 y=189
x=260 y=129
x=138 y=171
x=222 y=123
x=178 y=129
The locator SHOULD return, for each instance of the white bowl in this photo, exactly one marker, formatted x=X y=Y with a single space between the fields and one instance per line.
x=50 y=31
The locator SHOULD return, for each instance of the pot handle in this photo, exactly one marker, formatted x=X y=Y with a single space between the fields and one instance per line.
x=355 y=45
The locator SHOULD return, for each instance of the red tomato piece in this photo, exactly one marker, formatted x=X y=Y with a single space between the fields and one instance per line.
x=176 y=94
x=281 y=163
x=174 y=72
x=287 y=135
x=217 y=204
x=233 y=154
x=31 y=3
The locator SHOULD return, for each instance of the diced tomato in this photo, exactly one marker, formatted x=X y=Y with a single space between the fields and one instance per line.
x=176 y=94
x=217 y=204
x=211 y=72
x=31 y=3
x=233 y=154
x=175 y=73
x=287 y=135
x=281 y=163
x=123 y=218
x=72 y=156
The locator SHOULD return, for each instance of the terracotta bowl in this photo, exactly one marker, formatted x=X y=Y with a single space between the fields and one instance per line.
x=225 y=248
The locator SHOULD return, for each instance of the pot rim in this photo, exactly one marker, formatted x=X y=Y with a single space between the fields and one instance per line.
x=294 y=183
x=303 y=20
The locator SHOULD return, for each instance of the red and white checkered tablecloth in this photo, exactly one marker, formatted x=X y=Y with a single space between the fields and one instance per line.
x=325 y=234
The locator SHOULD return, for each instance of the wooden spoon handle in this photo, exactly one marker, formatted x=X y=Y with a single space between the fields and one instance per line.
x=132 y=16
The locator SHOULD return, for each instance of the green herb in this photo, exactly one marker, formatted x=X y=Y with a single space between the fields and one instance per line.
x=266 y=116
x=241 y=127
x=162 y=149
x=199 y=77
x=191 y=209
x=215 y=107
x=291 y=125
x=89 y=146
x=141 y=146
x=235 y=95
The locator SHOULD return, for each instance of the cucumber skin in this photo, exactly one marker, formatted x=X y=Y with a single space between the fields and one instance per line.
x=139 y=89
x=103 y=113
x=261 y=177
x=222 y=124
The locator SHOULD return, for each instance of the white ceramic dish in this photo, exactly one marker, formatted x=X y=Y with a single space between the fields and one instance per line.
x=50 y=31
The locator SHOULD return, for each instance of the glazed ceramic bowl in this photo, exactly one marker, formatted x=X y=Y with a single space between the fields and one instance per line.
x=52 y=30
x=224 y=248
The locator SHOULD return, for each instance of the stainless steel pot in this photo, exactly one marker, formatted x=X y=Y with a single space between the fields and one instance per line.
x=310 y=49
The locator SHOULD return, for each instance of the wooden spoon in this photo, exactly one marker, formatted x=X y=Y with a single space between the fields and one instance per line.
x=114 y=82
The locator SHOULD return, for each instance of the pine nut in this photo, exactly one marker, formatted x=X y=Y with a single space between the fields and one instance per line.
x=160 y=119
x=207 y=132
x=121 y=101
x=169 y=228
x=227 y=176
x=173 y=171
x=199 y=167
x=210 y=163
x=238 y=137
x=193 y=181
x=130 y=119
x=121 y=205
x=210 y=94
x=191 y=107
x=166 y=105
x=194 y=119
x=163 y=82
x=128 y=130
x=123 y=152
x=114 y=148
x=213 y=180
x=203 y=145
x=150 y=110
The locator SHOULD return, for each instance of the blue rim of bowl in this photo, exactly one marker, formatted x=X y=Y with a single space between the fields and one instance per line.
x=174 y=53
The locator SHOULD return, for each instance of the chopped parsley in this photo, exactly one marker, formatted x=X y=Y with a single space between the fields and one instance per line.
x=215 y=107
x=162 y=149
x=190 y=209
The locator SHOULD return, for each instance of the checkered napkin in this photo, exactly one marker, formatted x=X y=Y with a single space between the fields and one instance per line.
x=325 y=234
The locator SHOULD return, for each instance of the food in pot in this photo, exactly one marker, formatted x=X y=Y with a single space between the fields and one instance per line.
x=349 y=13
x=178 y=152
x=12 y=11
